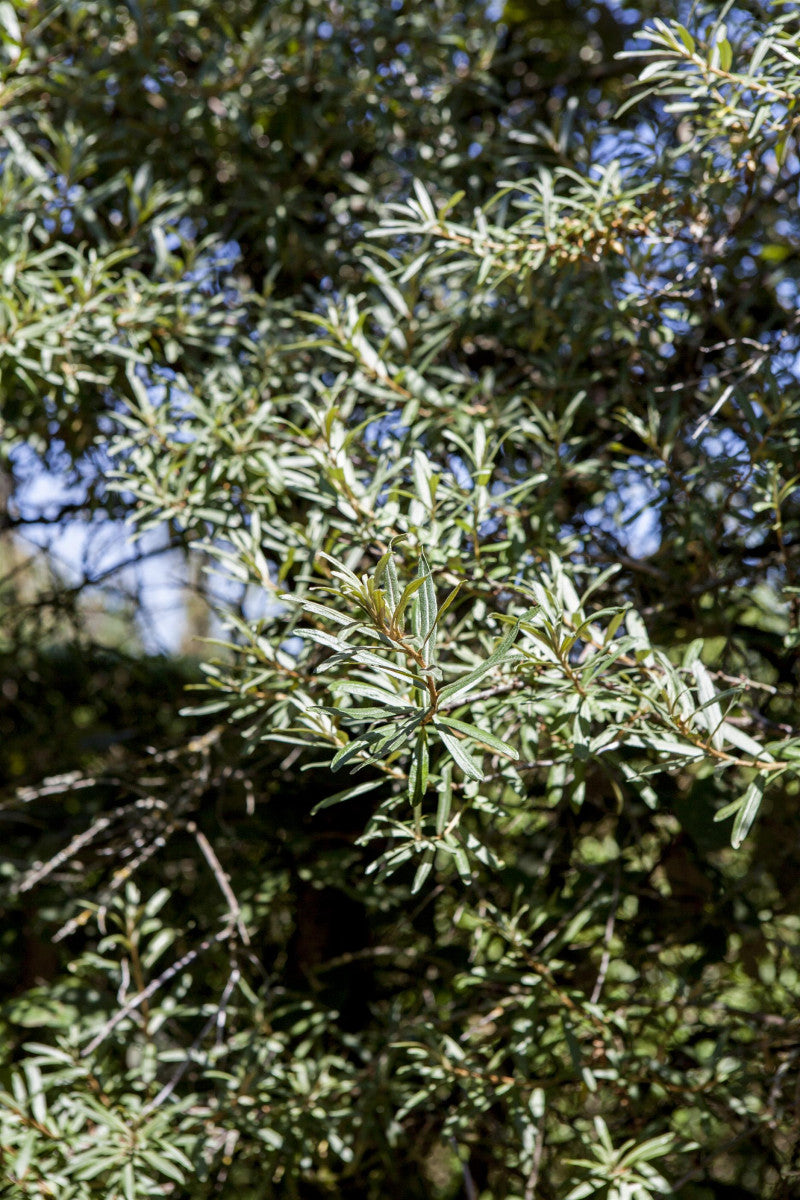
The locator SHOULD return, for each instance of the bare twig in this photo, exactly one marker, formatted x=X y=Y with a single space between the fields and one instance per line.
x=470 y=1190
x=581 y=904
x=53 y=785
x=533 y=1178
x=221 y=878
x=607 y=936
x=121 y=875
x=172 y=970
x=217 y=1018
x=42 y=870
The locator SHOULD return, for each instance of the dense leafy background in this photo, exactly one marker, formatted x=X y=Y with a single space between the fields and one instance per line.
x=447 y=356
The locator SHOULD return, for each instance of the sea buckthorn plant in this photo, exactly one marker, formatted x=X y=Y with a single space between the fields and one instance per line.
x=447 y=355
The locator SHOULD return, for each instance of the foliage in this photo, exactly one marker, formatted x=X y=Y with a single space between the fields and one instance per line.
x=464 y=360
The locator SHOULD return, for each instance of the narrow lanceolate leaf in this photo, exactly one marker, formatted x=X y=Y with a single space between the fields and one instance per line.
x=460 y=858
x=711 y=713
x=425 y=607
x=161 y=1163
x=351 y=750
x=402 y=604
x=751 y=802
x=340 y=571
x=418 y=771
x=673 y=747
x=395 y=735
x=321 y=610
x=392 y=293
x=375 y=743
x=367 y=659
x=324 y=638
x=459 y=754
x=346 y=794
x=478 y=735
x=445 y=797
x=742 y=741
x=368 y=713
x=423 y=871
x=354 y=687
x=424 y=200
x=444 y=607
x=386 y=577
x=129 y=1181
x=461 y=686
x=654 y=1147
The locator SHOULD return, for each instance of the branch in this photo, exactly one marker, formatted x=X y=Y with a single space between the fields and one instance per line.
x=221 y=878
x=153 y=987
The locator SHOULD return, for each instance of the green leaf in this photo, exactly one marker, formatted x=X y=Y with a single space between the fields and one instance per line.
x=459 y=754
x=408 y=591
x=424 y=200
x=479 y=735
x=163 y=1165
x=711 y=711
x=425 y=607
x=446 y=605
x=390 y=291
x=386 y=577
x=129 y=1181
x=685 y=36
x=23 y=1160
x=725 y=54
x=354 y=687
x=324 y=639
x=652 y=70
x=320 y=610
x=461 y=860
x=750 y=804
x=737 y=737
x=461 y=686
x=353 y=748
x=418 y=772
x=445 y=797
x=423 y=871
x=675 y=748
x=346 y=794
x=655 y=1147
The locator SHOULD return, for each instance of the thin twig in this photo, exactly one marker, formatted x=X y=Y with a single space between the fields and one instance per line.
x=172 y=970
x=217 y=1018
x=221 y=878
x=53 y=785
x=607 y=936
x=533 y=1178
x=568 y=916
x=120 y=876
x=42 y=870
x=85 y=838
x=470 y=1189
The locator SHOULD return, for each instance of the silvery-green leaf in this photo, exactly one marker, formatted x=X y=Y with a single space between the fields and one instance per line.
x=479 y=735
x=461 y=686
x=750 y=804
x=425 y=606
x=459 y=754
